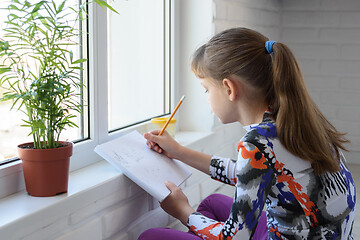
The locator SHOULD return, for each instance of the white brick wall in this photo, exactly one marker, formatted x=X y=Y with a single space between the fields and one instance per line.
x=325 y=37
x=261 y=15
x=89 y=231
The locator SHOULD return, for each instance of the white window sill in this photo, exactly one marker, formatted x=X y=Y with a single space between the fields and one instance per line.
x=84 y=184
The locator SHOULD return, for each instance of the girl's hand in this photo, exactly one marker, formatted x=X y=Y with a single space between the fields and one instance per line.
x=168 y=146
x=177 y=204
x=163 y=144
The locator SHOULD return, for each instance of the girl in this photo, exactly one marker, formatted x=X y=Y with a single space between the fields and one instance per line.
x=290 y=158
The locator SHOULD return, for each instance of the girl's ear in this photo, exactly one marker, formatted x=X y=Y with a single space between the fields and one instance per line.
x=232 y=89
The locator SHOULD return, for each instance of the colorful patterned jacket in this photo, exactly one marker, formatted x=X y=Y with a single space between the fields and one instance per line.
x=299 y=204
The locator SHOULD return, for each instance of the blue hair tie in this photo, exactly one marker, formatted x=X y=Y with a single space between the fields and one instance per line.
x=269 y=46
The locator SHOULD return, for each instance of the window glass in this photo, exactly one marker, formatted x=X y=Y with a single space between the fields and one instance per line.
x=11 y=133
x=138 y=52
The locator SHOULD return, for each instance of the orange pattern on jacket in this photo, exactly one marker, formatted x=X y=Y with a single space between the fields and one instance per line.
x=206 y=232
x=246 y=154
x=234 y=181
x=276 y=231
x=295 y=188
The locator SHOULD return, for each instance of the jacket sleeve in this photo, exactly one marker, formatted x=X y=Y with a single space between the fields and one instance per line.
x=223 y=170
x=253 y=178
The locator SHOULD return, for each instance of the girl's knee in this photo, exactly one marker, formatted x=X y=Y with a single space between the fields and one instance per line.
x=148 y=234
x=208 y=200
x=217 y=198
x=214 y=196
x=166 y=234
x=215 y=202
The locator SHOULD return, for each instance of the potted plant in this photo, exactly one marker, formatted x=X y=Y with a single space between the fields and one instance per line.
x=48 y=89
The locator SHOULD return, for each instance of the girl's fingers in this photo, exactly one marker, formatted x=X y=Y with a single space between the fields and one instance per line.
x=149 y=144
x=157 y=149
x=154 y=146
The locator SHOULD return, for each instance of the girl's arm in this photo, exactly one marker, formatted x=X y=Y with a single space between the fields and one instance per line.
x=195 y=159
x=172 y=149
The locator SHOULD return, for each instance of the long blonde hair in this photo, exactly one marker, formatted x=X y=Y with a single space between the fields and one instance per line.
x=301 y=127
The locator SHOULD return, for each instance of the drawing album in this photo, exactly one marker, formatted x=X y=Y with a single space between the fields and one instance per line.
x=147 y=168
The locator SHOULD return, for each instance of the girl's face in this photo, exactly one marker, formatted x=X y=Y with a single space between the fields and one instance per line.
x=219 y=101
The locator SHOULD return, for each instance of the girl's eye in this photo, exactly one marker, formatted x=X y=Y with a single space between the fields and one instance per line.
x=206 y=91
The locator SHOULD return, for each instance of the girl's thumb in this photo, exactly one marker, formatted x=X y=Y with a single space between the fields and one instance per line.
x=150 y=137
x=171 y=186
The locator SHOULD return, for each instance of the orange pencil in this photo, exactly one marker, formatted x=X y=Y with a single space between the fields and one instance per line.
x=171 y=116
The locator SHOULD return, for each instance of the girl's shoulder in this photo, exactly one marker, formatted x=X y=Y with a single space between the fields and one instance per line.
x=261 y=136
x=265 y=129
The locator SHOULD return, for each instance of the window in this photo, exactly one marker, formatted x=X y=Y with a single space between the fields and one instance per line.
x=11 y=133
x=105 y=84
x=138 y=62
x=128 y=71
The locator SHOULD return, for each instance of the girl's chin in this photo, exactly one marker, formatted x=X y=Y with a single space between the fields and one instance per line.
x=223 y=121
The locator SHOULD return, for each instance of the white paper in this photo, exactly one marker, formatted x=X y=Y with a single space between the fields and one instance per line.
x=147 y=168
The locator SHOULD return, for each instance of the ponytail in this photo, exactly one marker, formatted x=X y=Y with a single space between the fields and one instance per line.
x=271 y=68
x=301 y=127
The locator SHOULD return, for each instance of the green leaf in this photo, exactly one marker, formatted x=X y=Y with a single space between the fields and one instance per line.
x=77 y=68
x=46 y=24
x=38 y=6
x=8 y=97
x=104 y=5
x=13 y=7
x=61 y=7
x=27 y=4
x=4 y=70
x=80 y=61
x=14 y=16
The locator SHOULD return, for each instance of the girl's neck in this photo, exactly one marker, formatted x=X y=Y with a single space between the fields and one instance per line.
x=252 y=113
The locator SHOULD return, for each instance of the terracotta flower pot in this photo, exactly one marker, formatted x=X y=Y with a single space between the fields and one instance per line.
x=46 y=171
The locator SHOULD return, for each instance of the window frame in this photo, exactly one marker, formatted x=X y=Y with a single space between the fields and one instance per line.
x=84 y=119
x=83 y=154
x=98 y=85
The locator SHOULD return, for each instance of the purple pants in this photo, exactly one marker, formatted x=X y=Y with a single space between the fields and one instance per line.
x=215 y=206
